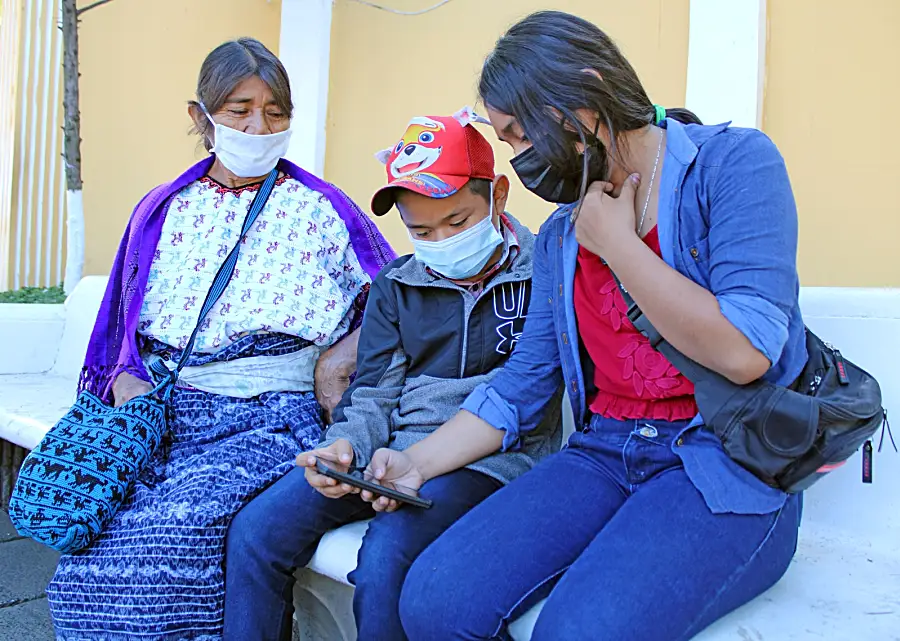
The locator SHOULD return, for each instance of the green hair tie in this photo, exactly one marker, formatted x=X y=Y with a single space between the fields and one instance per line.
x=660 y=113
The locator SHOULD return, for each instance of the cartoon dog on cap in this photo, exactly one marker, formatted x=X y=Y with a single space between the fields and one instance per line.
x=415 y=151
x=434 y=158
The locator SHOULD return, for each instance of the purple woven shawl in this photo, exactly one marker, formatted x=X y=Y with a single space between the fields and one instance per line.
x=113 y=347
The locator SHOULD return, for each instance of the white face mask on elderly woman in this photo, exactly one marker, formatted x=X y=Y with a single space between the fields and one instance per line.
x=248 y=155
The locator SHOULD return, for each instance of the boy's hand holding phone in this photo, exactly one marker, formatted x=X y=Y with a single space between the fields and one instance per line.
x=330 y=472
x=389 y=467
x=340 y=456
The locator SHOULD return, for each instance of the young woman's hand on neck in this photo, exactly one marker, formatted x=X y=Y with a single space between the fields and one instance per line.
x=627 y=201
x=607 y=216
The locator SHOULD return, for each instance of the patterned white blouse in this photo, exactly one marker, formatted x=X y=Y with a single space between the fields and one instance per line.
x=296 y=274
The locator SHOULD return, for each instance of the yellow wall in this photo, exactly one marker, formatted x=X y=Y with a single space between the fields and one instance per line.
x=829 y=92
x=139 y=66
x=830 y=105
x=386 y=68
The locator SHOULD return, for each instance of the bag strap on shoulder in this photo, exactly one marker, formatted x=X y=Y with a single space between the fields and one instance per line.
x=221 y=279
x=694 y=371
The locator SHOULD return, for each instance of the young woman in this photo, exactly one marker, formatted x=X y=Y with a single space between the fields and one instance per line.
x=643 y=527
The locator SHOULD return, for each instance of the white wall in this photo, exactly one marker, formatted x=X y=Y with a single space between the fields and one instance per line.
x=305 y=50
x=726 y=61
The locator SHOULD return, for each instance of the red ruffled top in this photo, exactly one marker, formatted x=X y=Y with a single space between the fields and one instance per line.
x=634 y=380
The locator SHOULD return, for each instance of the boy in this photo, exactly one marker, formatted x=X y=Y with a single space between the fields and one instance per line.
x=437 y=324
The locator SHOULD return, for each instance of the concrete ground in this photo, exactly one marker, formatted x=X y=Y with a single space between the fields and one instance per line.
x=25 y=570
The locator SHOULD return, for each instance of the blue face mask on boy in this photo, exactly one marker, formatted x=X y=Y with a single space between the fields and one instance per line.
x=465 y=254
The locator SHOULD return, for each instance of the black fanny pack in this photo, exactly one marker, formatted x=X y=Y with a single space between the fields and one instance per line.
x=789 y=437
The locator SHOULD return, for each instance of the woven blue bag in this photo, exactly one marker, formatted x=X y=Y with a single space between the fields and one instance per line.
x=73 y=483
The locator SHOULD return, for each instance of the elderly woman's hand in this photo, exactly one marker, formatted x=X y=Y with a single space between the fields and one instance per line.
x=333 y=371
x=127 y=387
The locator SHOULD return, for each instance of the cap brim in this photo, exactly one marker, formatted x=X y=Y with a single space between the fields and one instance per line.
x=429 y=185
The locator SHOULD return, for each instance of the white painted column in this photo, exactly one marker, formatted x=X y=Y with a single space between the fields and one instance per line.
x=305 y=50
x=726 y=61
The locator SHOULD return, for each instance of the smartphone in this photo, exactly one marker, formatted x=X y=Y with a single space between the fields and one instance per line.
x=391 y=491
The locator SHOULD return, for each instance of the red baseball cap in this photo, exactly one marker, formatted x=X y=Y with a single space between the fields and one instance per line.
x=436 y=157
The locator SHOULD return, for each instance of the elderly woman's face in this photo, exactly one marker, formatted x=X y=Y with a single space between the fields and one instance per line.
x=251 y=108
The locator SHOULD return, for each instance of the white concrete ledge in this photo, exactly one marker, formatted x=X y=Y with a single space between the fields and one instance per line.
x=41 y=360
x=851 y=302
x=31 y=334
x=20 y=430
x=81 y=313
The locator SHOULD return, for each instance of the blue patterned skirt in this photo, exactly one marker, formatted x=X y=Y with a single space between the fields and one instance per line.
x=157 y=571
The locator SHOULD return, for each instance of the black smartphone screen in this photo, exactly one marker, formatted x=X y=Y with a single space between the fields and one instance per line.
x=392 y=491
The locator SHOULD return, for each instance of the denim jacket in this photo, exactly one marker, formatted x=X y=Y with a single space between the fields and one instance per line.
x=727 y=220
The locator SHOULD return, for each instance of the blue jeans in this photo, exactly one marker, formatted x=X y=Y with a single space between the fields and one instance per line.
x=279 y=530
x=614 y=527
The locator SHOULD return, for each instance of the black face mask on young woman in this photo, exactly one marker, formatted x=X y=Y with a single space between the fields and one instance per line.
x=561 y=187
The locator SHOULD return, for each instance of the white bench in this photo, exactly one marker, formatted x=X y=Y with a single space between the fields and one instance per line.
x=43 y=350
x=844 y=583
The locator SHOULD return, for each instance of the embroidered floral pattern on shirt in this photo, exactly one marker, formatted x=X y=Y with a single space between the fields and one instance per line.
x=649 y=371
x=296 y=273
x=614 y=306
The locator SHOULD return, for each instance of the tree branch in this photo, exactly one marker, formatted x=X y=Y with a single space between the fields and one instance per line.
x=93 y=5
x=72 y=117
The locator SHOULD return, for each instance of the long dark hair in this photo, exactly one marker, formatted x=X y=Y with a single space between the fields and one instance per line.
x=230 y=64
x=543 y=63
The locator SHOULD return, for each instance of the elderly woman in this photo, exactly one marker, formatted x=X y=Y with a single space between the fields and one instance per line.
x=245 y=405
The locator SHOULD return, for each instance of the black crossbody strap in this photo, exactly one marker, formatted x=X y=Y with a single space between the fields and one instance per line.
x=712 y=391
x=222 y=277
x=693 y=370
